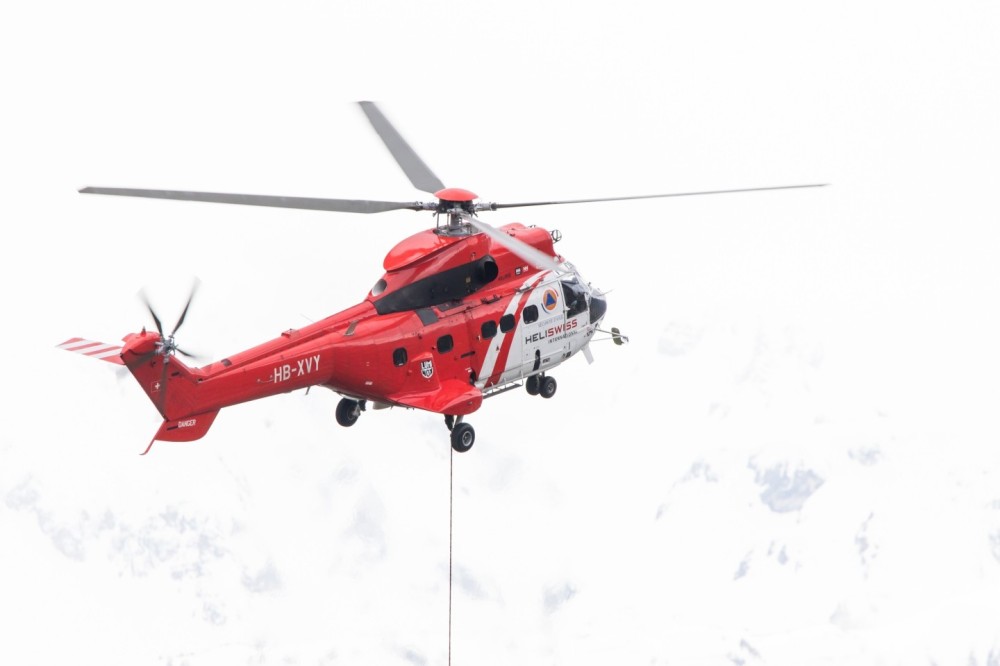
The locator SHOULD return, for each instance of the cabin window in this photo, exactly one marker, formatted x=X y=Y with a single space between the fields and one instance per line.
x=489 y=329
x=399 y=357
x=378 y=288
x=445 y=344
x=506 y=323
x=530 y=314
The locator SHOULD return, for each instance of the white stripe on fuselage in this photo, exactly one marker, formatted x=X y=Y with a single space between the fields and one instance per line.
x=489 y=362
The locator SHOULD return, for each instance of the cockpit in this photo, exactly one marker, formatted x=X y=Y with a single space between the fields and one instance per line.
x=580 y=297
x=575 y=294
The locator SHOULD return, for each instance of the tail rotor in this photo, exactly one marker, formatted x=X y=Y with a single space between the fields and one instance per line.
x=166 y=347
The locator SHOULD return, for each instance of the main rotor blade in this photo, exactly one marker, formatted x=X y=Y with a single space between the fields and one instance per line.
x=653 y=196
x=531 y=254
x=419 y=173
x=306 y=203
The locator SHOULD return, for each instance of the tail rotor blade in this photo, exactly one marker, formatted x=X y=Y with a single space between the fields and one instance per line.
x=194 y=288
x=166 y=346
x=190 y=355
x=152 y=312
x=161 y=400
x=144 y=358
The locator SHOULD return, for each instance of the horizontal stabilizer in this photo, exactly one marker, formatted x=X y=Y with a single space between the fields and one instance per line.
x=99 y=350
x=187 y=429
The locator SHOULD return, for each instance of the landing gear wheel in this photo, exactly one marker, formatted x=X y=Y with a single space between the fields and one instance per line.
x=547 y=389
x=462 y=437
x=531 y=385
x=348 y=412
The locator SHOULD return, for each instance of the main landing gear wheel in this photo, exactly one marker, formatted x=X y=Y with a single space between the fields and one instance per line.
x=531 y=385
x=462 y=437
x=348 y=412
x=547 y=387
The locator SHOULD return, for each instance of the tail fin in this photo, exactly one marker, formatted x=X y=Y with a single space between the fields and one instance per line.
x=171 y=386
x=168 y=383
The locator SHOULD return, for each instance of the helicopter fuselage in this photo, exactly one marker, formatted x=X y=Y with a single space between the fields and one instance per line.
x=453 y=320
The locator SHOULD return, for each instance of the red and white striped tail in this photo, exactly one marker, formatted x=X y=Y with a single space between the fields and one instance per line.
x=101 y=350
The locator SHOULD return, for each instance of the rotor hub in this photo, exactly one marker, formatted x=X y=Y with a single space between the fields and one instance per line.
x=457 y=204
x=455 y=195
x=166 y=347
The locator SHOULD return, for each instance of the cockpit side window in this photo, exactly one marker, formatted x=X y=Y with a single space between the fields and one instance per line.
x=576 y=297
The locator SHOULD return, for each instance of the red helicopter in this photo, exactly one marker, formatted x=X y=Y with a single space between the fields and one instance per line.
x=464 y=311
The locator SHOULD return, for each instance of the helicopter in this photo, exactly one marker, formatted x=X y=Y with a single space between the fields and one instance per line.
x=464 y=311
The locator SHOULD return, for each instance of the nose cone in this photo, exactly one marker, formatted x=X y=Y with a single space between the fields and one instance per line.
x=598 y=306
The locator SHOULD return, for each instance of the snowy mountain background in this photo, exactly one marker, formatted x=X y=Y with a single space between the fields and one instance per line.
x=795 y=460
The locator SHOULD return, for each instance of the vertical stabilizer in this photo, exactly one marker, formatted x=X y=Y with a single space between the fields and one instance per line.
x=170 y=385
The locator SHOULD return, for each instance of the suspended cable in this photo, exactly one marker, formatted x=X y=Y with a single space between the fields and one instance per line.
x=451 y=504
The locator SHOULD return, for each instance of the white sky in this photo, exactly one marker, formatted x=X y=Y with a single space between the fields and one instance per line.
x=846 y=334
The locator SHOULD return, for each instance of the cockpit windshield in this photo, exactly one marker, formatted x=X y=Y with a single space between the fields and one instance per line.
x=576 y=296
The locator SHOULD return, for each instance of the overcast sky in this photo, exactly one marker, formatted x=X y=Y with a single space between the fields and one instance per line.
x=794 y=460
